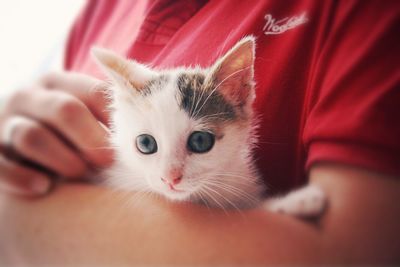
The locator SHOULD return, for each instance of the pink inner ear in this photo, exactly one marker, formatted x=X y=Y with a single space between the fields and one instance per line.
x=234 y=73
x=236 y=88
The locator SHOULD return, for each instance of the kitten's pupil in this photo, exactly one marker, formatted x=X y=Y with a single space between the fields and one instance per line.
x=146 y=144
x=201 y=142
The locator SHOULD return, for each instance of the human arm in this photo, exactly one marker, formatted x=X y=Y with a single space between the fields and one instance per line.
x=85 y=224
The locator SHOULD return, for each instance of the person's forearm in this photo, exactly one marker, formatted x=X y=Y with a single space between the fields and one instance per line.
x=92 y=225
x=95 y=226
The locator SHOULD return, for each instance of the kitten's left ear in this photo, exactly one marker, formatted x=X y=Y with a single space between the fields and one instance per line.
x=126 y=73
x=233 y=74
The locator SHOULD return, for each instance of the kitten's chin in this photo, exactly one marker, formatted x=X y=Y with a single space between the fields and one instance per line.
x=176 y=195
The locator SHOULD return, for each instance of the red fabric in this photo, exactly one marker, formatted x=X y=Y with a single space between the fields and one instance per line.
x=327 y=88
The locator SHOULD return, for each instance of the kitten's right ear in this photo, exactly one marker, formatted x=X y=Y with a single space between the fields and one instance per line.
x=124 y=72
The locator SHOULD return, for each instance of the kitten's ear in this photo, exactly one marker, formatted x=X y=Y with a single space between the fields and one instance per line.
x=126 y=73
x=234 y=73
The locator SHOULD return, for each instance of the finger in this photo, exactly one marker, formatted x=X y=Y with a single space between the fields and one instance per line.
x=34 y=142
x=70 y=118
x=21 y=180
x=91 y=91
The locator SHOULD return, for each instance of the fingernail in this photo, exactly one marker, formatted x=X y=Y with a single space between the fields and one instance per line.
x=40 y=185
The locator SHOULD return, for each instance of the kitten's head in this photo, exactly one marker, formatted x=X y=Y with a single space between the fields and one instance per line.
x=185 y=133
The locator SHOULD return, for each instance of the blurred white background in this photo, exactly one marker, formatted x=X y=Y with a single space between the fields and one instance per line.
x=32 y=38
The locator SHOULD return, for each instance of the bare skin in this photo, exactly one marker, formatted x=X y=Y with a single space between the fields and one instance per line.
x=90 y=225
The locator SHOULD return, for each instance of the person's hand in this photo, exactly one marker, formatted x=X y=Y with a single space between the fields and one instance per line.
x=52 y=129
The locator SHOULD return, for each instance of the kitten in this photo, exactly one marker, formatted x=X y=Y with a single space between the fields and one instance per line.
x=189 y=133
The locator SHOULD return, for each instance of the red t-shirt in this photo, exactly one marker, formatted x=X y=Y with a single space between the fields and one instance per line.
x=327 y=71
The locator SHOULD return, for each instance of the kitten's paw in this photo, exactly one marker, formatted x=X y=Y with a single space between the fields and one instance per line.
x=307 y=202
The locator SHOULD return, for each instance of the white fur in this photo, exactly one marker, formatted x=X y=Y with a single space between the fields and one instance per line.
x=308 y=201
x=225 y=176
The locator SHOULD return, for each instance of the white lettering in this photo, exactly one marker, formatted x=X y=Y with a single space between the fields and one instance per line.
x=273 y=26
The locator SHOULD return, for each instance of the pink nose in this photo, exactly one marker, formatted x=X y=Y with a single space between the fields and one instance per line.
x=172 y=181
x=173 y=177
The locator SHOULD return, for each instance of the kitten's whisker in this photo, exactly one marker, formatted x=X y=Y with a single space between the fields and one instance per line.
x=222 y=183
x=223 y=197
x=203 y=200
x=192 y=106
x=232 y=174
x=214 y=199
x=231 y=203
x=233 y=190
x=124 y=197
x=241 y=177
x=198 y=101
x=132 y=198
x=204 y=102
x=225 y=181
x=213 y=91
x=238 y=178
x=238 y=181
x=214 y=115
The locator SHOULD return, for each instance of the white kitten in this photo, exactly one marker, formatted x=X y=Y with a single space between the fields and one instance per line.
x=188 y=133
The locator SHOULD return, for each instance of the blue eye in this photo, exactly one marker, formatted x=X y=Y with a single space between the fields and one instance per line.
x=146 y=144
x=201 y=142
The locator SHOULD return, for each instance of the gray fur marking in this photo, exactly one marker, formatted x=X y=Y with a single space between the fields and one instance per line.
x=154 y=84
x=199 y=100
